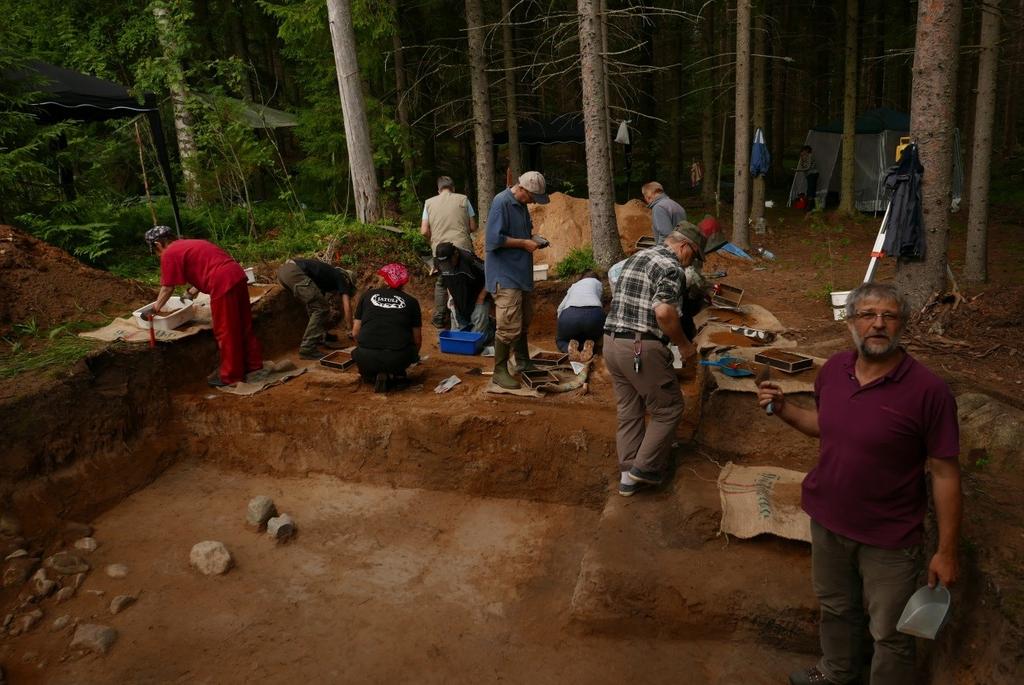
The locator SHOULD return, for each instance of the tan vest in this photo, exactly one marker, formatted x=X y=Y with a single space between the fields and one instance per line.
x=448 y=215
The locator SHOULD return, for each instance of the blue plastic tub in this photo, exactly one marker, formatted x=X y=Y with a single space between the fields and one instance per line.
x=459 y=342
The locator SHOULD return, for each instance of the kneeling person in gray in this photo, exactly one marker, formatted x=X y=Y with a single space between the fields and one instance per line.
x=644 y=318
x=310 y=280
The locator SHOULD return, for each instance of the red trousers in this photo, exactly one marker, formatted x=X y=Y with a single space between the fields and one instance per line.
x=240 y=351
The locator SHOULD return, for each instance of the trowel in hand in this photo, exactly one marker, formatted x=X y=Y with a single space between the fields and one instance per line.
x=764 y=374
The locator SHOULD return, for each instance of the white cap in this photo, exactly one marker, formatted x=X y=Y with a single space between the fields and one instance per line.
x=533 y=181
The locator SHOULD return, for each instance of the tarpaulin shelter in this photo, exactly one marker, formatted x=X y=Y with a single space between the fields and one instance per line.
x=535 y=133
x=70 y=95
x=877 y=133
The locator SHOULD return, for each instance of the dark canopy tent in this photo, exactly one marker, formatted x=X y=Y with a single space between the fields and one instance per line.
x=67 y=94
x=564 y=128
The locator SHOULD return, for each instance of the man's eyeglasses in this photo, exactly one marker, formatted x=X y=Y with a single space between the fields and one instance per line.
x=887 y=317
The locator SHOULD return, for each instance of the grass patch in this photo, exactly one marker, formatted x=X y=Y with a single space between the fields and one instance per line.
x=576 y=262
x=35 y=350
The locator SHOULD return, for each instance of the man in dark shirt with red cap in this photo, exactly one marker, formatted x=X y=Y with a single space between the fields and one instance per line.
x=881 y=417
x=211 y=270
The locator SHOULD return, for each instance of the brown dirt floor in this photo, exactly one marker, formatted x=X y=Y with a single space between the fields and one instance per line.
x=440 y=535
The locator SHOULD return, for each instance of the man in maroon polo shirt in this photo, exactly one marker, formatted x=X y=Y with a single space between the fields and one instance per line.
x=881 y=417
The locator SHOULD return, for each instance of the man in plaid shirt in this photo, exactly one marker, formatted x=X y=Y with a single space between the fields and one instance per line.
x=644 y=318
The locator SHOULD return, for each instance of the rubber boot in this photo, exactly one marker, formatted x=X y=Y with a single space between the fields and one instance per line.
x=502 y=378
x=522 y=350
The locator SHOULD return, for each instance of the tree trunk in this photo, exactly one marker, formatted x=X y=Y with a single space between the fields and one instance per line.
x=357 y=129
x=402 y=98
x=709 y=186
x=606 y=84
x=976 y=267
x=604 y=231
x=846 y=204
x=515 y=164
x=482 y=136
x=777 y=142
x=760 y=121
x=931 y=125
x=741 y=189
x=179 y=100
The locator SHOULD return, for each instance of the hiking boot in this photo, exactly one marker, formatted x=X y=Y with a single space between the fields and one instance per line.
x=311 y=354
x=574 y=350
x=648 y=477
x=381 y=383
x=587 y=353
x=812 y=676
x=522 y=349
x=629 y=489
x=502 y=378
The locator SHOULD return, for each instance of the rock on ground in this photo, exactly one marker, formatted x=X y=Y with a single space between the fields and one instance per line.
x=67 y=564
x=121 y=602
x=18 y=570
x=260 y=510
x=117 y=571
x=24 y=623
x=94 y=637
x=65 y=593
x=281 y=527
x=61 y=622
x=86 y=544
x=210 y=557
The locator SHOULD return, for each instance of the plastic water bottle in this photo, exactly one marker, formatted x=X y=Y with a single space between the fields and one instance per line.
x=766 y=254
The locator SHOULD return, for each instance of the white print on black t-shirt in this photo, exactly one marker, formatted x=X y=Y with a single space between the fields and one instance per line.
x=387 y=301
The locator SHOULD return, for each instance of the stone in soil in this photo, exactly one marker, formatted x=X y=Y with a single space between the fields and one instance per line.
x=281 y=527
x=210 y=557
x=64 y=594
x=77 y=580
x=94 y=637
x=121 y=602
x=43 y=587
x=117 y=571
x=18 y=570
x=61 y=622
x=86 y=544
x=9 y=525
x=24 y=623
x=73 y=531
x=260 y=510
x=67 y=564
x=16 y=553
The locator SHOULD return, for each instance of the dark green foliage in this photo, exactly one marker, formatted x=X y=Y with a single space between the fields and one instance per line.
x=576 y=262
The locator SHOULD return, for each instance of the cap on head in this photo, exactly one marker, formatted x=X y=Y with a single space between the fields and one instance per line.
x=712 y=232
x=533 y=181
x=444 y=252
x=158 y=234
x=394 y=274
x=687 y=232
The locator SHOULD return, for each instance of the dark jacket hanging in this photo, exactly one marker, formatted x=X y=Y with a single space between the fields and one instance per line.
x=904 y=230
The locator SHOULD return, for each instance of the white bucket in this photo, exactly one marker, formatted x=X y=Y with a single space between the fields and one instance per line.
x=540 y=272
x=839 y=304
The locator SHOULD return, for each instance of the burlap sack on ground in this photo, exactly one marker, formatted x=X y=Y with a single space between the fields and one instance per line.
x=762 y=499
x=273 y=373
x=127 y=330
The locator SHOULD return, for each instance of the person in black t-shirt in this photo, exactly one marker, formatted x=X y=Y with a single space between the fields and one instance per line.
x=310 y=280
x=462 y=274
x=387 y=329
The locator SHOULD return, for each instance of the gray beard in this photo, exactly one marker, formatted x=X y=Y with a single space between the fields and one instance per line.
x=874 y=355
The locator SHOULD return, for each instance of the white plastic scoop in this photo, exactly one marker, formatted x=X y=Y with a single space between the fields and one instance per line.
x=926 y=612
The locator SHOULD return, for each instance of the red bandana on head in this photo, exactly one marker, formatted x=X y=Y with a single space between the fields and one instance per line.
x=394 y=274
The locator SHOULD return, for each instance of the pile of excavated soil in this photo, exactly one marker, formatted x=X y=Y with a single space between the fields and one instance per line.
x=46 y=284
x=565 y=221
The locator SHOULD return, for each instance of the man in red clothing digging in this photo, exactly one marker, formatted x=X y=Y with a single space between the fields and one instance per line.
x=209 y=269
